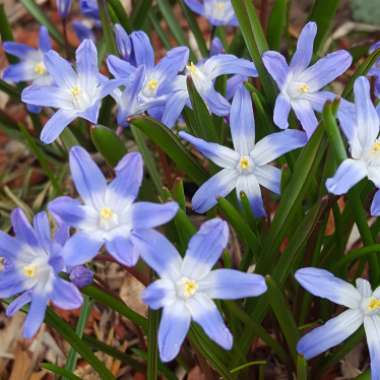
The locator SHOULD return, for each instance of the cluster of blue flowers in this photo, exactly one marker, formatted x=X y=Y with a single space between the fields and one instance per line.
x=108 y=215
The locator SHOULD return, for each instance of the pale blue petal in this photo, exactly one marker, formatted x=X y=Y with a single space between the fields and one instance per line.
x=276 y=144
x=11 y=283
x=150 y=215
x=87 y=62
x=232 y=284
x=242 y=122
x=159 y=294
x=18 y=50
x=42 y=228
x=347 y=118
x=326 y=69
x=233 y=84
x=196 y=6
x=269 y=177
x=205 y=313
x=119 y=68
x=305 y=44
x=91 y=114
x=123 y=42
x=36 y=315
x=56 y=124
x=217 y=104
x=158 y=252
x=205 y=248
x=332 y=333
x=22 y=228
x=174 y=325
x=375 y=205
x=249 y=185
x=9 y=246
x=66 y=295
x=129 y=176
x=305 y=114
x=218 y=186
x=18 y=303
x=61 y=70
x=123 y=250
x=348 y=174
x=67 y=209
x=319 y=99
x=81 y=248
x=88 y=178
x=281 y=112
x=219 y=154
x=372 y=331
x=45 y=96
x=277 y=67
x=324 y=284
x=18 y=72
x=173 y=62
x=45 y=43
x=367 y=119
x=143 y=50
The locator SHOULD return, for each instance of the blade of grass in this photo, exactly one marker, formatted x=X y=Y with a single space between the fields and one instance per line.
x=60 y=371
x=108 y=33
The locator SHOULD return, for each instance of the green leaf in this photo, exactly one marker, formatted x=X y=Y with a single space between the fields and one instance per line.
x=255 y=40
x=153 y=320
x=277 y=23
x=140 y=13
x=323 y=14
x=301 y=368
x=6 y=34
x=108 y=144
x=179 y=193
x=60 y=371
x=67 y=333
x=115 y=304
x=356 y=254
x=10 y=90
x=171 y=145
x=108 y=34
x=121 y=14
x=284 y=316
x=40 y=16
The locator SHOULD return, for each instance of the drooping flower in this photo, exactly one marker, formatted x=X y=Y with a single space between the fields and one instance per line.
x=83 y=31
x=123 y=42
x=362 y=132
x=151 y=88
x=89 y=8
x=31 y=66
x=247 y=166
x=33 y=261
x=203 y=76
x=218 y=12
x=108 y=213
x=75 y=94
x=375 y=69
x=63 y=7
x=300 y=86
x=187 y=286
x=363 y=308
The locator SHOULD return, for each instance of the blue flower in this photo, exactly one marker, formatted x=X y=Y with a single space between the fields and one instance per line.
x=148 y=85
x=109 y=214
x=82 y=31
x=123 y=42
x=31 y=66
x=375 y=69
x=360 y=124
x=63 y=7
x=33 y=261
x=299 y=84
x=187 y=286
x=245 y=167
x=363 y=308
x=218 y=12
x=203 y=75
x=89 y=8
x=75 y=94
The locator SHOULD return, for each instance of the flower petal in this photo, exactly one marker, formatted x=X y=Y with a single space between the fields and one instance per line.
x=305 y=114
x=348 y=174
x=195 y=6
x=36 y=315
x=205 y=313
x=60 y=69
x=150 y=215
x=18 y=303
x=66 y=295
x=242 y=122
x=56 y=124
x=143 y=50
x=18 y=50
x=268 y=176
x=10 y=247
x=205 y=248
x=232 y=284
x=173 y=62
x=123 y=250
x=67 y=209
x=88 y=178
x=375 y=205
x=249 y=185
x=219 y=185
x=276 y=144
x=159 y=294
x=281 y=112
x=372 y=331
x=22 y=228
x=44 y=39
x=219 y=154
x=87 y=61
x=277 y=67
x=305 y=44
x=158 y=252
x=324 y=284
x=119 y=68
x=332 y=333
x=46 y=96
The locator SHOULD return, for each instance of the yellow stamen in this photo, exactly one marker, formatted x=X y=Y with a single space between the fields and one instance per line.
x=374 y=304
x=30 y=270
x=189 y=287
x=220 y=6
x=75 y=91
x=376 y=147
x=106 y=213
x=244 y=162
x=153 y=84
x=303 y=88
x=192 y=68
x=40 y=68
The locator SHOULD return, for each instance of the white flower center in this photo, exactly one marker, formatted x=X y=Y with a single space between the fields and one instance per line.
x=108 y=219
x=30 y=270
x=187 y=287
x=39 y=68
